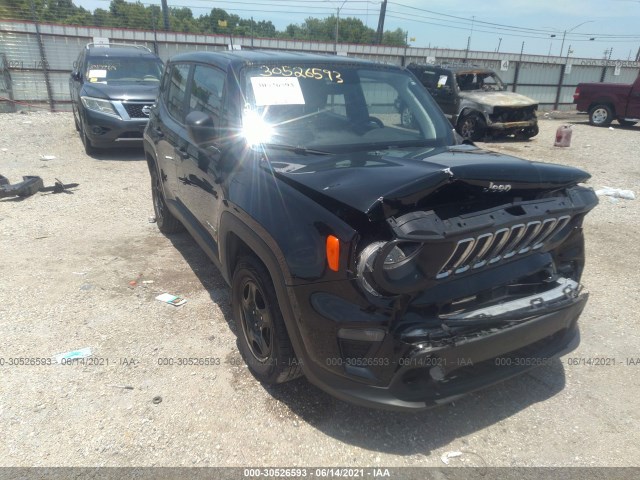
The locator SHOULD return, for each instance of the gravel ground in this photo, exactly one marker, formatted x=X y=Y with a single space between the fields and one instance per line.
x=67 y=262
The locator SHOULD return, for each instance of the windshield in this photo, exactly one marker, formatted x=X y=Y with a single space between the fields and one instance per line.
x=129 y=69
x=339 y=108
x=487 y=81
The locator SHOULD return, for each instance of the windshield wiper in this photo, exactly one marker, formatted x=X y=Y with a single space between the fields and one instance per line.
x=296 y=149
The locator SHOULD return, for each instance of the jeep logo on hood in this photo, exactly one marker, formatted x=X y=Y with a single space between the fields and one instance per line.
x=498 y=187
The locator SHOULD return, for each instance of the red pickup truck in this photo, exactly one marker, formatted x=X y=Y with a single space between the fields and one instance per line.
x=608 y=101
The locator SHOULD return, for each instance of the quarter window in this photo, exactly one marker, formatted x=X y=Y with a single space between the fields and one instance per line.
x=177 y=91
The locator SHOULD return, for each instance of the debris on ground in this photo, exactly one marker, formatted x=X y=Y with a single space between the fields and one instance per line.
x=81 y=353
x=171 y=299
x=157 y=400
x=152 y=219
x=616 y=193
x=59 y=187
x=124 y=387
x=30 y=184
x=46 y=158
x=445 y=457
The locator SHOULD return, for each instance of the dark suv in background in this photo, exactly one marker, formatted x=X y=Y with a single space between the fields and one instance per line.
x=112 y=90
x=476 y=102
x=391 y=265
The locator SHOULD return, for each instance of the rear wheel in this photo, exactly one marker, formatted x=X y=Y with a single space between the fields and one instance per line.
x=472 y=127
x=165 y=220
x=600 y=115
x=262 y=336
x=626 y=123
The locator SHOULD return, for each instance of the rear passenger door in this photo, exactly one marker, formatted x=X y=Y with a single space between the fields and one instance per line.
x=199 y=168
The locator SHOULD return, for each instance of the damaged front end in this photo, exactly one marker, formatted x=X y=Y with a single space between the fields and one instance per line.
x=469 y=299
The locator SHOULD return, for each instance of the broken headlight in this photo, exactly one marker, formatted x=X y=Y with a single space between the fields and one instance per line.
x=397 y=263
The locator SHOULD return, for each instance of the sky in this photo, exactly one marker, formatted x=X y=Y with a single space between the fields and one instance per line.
x=487 y=25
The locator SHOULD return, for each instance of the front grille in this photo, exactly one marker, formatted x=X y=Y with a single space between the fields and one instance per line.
x=135 y=109
x=489 y=248
x=502 y=114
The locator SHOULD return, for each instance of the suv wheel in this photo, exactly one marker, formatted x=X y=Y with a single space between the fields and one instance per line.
x=75 y=118
x=406 y=117
x=165 y=220
x=89 y=149
x=472 y=127
x=600 y=115
x=262 y=336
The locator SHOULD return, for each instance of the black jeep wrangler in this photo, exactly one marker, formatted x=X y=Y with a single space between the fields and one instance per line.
x=476 y=102
x=389 y=264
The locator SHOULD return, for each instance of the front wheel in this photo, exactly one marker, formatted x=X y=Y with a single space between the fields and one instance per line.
x=472 y=127
x=600 y=115
x=89 y=149
x=262 y=336
x=165 y=220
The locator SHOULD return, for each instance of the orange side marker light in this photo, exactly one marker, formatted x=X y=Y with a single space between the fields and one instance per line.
x=333 y=253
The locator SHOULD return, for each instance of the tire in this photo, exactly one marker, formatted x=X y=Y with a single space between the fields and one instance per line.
x=530 y=132
x=600 y=115
x=472 y=127
x=89 y=149
x=263 y=341
x=165 y=220
x=626 y=123
x=406 y=118
x=75 y=119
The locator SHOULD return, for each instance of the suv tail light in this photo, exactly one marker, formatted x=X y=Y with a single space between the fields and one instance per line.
x=576 y=95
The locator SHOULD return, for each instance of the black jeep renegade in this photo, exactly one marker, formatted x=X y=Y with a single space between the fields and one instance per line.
x=389 y=264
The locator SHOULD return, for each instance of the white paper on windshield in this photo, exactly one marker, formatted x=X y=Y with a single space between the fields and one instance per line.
x=277 y=91
x=442 y=81
x=97 y=73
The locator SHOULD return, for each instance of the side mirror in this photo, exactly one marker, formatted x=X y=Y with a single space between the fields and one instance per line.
x=200 y=127
x=77 y=76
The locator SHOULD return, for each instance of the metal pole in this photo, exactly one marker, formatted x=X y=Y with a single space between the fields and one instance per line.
x=337 y=28
x=562 y=45
x=43 y=56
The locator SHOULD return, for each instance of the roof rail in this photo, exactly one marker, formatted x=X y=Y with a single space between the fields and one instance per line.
x=449 y=65
x=131 y=45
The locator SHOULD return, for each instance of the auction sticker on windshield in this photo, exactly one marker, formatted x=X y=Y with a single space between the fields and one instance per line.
x=277 y=91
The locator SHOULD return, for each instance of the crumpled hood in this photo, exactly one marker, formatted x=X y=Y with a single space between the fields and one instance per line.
x=381 y=186
x=498 y=99
x=122 y=91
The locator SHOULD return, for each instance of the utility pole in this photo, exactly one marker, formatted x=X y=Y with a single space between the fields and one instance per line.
x=380 y=31
x=165 y=14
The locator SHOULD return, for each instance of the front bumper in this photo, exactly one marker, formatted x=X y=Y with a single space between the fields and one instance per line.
x=399 y=376
x=109 y=131
x=512 y=125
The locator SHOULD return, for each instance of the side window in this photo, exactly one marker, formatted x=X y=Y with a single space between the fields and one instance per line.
x=177 y=89
x=207 y=88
